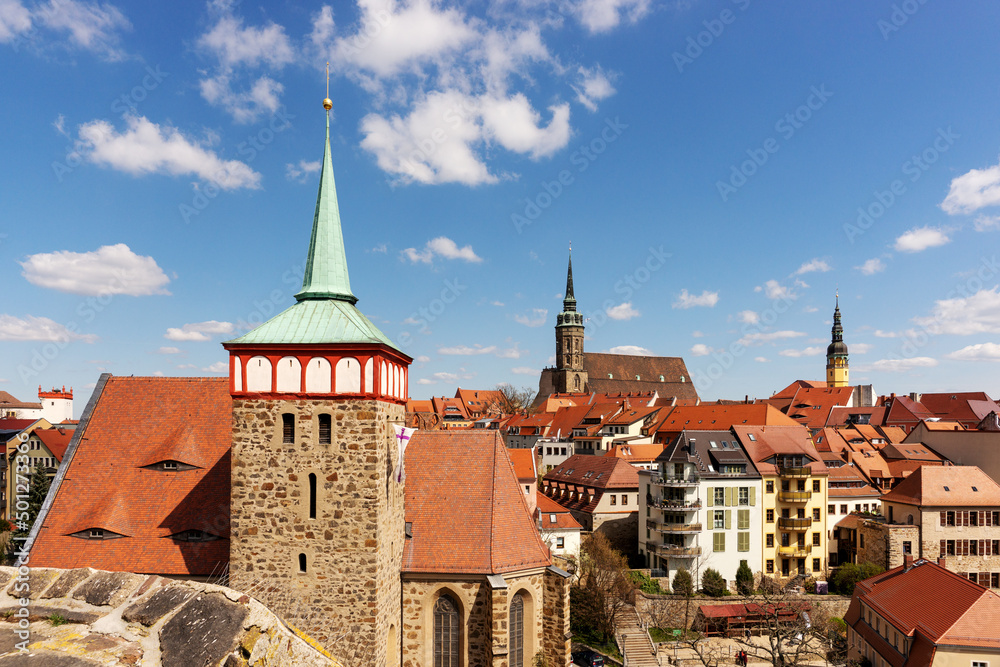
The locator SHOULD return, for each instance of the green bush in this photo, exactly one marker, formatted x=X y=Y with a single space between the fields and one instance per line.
x=744 y=579
x=846 y=576
x=712 y=583
x=646 y=584
x=682 y=584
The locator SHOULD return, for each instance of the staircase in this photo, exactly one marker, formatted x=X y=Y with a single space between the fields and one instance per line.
x=634 y=641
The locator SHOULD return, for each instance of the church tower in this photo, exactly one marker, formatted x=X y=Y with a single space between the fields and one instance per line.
x=317 y=525
x=570 y=374
x=836 y=354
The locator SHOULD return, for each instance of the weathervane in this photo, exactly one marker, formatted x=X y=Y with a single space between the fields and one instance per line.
x=327 y=102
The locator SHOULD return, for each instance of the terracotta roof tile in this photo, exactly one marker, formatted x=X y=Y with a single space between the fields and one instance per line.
x=604 y=472
x=762 y=442
x=547 y=508
x=466 y=508
x=105 y=486
x=946 y=486
x=524 y=464
x=55 y=439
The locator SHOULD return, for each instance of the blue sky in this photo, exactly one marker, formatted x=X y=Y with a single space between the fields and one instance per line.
x=721 y=168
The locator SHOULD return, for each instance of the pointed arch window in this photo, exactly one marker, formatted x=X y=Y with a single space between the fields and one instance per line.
x=446 y=632
x=517 y=631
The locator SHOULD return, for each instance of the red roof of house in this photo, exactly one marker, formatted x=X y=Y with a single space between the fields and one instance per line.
x=15 y=424
x=566 y=419
x=839 y=416
x=721 y=417
x=604 y=472
x=105 y=486
x=55 y=439
x=523 y=461
x=10 y=402
x=954 y=406
x=946 y=486
x=811 y=406
x=465 y=506
x=548 y=508
x=641 y=453
x=763 y=442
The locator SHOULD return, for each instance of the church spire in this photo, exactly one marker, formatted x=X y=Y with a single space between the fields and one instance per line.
x=326 y=264
x=837 y=370
x=569 y=301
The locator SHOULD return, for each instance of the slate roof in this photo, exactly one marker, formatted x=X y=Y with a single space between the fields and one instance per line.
x=946 y=486
x=102 y=483
x=467 y=511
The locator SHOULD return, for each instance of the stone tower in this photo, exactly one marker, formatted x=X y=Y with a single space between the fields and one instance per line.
x=836 y=354
x=570 y=374
x=317 y=511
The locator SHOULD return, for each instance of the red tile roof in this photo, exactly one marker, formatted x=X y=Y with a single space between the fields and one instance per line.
x=946 y=486
x=465 y=506
x=15 y=424
x=10 y=402
x=103 y=484
x=547 y=508
x=763 y=442
x=720 y=417
x=604 y=472
x=55 y=439
x=642 y=453
x=523 y=461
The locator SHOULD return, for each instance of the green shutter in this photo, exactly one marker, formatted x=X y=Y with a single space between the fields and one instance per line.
x=743 y=542
x=729 y=519
x=753 y=496
x=718 y=542
x=743 y=520
x=729 y=496
x=711 y=496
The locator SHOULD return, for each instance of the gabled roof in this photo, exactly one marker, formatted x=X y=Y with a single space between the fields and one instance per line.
x=477 y=400
x=708 y=448
x=811 y=406
x=523 y=461
x=102 y=483
x=903 y=409
x=632 y=415
x=628 y=373
x=721 y=417
x=839 y=416
x=566 y=419
x=763 y=442
x=465 y=506
x=955 y=405
x=56 y=440
x=546 y=509
x=10 y=402
x=946 y=486
x=641 y=453
x=596 y=472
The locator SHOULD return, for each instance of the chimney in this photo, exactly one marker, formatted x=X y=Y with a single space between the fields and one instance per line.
x=907 y=562
x=942 y=561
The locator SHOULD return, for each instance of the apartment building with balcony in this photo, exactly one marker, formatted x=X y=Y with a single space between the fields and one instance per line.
x=794 y=479
x=702 y=507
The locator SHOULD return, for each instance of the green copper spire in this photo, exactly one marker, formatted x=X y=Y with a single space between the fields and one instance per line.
x=326 y=266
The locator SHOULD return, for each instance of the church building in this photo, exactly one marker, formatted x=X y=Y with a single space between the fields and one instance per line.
x=836 y=354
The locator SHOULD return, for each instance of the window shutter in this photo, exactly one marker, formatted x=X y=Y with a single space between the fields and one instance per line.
x=729 y=496
x=982 y=548
x=743 y=542
x=743 y=520
x=753 y=496
x=944 y=547
x=944 y=518
x=989 y=518
x=729 y=519
x=965 y=517
x=711 y=497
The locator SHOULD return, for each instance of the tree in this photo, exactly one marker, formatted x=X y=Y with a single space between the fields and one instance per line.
x=682 y=584
x=744 y=579
x=38 y=489
x=847 y=576
x=712 y=583
x=512 y=400
x=604 y=590
x=787 y=633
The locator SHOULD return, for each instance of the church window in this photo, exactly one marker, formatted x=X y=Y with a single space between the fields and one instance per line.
x=287 y=428
x=325 y=429
x=302 y=563
x=517 y=631
x=312 y=495
x=446 y=631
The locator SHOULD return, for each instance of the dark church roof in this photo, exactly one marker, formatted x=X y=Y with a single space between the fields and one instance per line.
x=668 y=376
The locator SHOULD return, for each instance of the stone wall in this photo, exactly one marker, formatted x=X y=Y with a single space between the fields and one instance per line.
x=348 y=597
x=89 y=617
x=671 y=607
x=621 y=530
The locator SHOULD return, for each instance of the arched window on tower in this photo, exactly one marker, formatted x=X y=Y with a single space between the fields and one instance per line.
x=517 y=631
x=302 y=563
x=288 y=428
x=446 y=632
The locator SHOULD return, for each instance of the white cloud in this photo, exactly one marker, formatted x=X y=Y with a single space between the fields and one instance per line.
x=536 y=318
x=810 y=309
x=262 y=97
x=511 y=352
x=146 y=148
x=903 y=365
x=697 y=334
x=465 y=350
x=38 y=328
x=921 y=238
x=425 y=381
x=500 y=304
x=198 y=331
x=761 y=360
x=168 y=350
x=861 y=348
x=422 y=359
x=748 y=317
x=986 y=223
x=631 y=350
x=978 y=352
x=811 y=266
x=973 y=190
x=516 y=125
x=774 y=290
x=217 y=367
x=623 y=311
x=962 y=316
x=807 y=352
x=603 y=15
x=301 y=171
x=701 y=350
x=871 y=266
x=91 y=26
x=706 y=299
x=525 y=370
x=112 y=269
x=14 y=19
x=453 y=377
x=444 y=247
x=592 y=86
x=759 y=338
x=885 y=334
x=234 y=45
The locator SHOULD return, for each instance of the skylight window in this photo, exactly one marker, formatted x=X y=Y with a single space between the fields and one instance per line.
x=714 y=445
x=947 y=489
x=975 y=489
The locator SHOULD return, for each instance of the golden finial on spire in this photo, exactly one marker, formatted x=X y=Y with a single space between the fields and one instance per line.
x=327 y=102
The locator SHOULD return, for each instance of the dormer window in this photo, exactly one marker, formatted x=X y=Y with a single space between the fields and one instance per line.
x=96 y=534
x=170 y=465
x=194 y=535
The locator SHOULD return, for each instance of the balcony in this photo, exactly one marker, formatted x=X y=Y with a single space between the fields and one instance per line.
x=672 y=551
x=786 y=523
x=794 y=473
x=794 y=496
x=674 y=505
x=675 y=481
x=679 y=528
x=795 y=551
